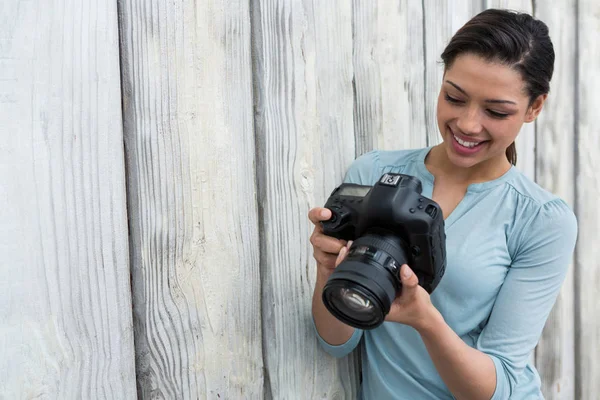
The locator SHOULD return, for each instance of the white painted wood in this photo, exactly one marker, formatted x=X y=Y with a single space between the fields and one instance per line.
x=440 y=21
x=526 y=140
x=221 y=264
x=303 y=98
x=461 y=12
x=555 y=153
x=587 y=195
x=389 y=75
x=187 y=83
x=65 y=304
x=437 y=27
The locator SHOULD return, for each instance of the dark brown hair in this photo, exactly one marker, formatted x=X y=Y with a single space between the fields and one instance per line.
x=514 y=39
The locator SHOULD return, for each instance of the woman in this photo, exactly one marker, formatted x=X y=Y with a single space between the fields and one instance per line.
x=509 y=242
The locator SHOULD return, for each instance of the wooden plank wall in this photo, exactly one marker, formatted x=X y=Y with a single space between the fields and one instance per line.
x=328 y=81
x=235 y=118
x=65 y=300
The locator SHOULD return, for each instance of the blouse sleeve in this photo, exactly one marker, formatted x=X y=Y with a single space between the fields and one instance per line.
x=540 y=262
x=342 y=349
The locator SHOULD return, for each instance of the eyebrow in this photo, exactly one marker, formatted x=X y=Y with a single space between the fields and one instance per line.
x=487 y=101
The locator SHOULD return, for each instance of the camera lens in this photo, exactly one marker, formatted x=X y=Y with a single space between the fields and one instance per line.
x=355 y=301
x=352 y=305
x=362 y=288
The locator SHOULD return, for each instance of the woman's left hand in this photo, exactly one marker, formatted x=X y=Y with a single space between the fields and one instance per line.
x=413 y=307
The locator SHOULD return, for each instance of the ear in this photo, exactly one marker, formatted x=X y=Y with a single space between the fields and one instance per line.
x=536 y=107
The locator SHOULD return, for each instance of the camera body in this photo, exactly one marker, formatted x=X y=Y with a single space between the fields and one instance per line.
x=393 y=207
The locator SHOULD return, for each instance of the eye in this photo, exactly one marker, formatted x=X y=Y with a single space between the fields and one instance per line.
x=452 y=99
x=498 y=115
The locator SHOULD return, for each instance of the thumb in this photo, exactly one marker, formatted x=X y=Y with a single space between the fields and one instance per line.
x=409 y=278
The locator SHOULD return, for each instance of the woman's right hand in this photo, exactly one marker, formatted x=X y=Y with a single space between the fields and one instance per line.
x=329 y=252
x=326 y=249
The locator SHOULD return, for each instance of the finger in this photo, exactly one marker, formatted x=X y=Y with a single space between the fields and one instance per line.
x=409 y=278
x=319 y=214
x=326 y=243
x=325 y=259
x=341 y=256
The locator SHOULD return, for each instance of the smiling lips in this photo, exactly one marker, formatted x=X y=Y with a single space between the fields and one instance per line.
x=466 y=147
x=466 y=144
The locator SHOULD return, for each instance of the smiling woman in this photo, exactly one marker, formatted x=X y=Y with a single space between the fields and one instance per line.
x=509 y=242
x=482 y=106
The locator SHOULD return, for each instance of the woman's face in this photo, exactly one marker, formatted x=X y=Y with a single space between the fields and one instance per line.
x=481 y=108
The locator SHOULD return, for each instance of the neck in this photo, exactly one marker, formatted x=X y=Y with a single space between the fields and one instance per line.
x=440 y=166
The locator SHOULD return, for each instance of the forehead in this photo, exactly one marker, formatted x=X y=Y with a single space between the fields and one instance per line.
x=481 y=78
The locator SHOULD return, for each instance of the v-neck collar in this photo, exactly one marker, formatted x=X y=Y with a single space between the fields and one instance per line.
x=462 y=207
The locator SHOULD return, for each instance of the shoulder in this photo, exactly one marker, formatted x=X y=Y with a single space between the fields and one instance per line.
x=542 y=217
x=368 y=167
x=539 y=203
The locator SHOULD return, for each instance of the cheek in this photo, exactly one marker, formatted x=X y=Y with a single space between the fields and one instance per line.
x=444 y=113
x=504 y=132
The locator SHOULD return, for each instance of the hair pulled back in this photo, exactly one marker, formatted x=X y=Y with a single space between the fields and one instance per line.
x=514 y=39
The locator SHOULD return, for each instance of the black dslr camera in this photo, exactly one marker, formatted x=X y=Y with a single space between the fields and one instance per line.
x=391 y=224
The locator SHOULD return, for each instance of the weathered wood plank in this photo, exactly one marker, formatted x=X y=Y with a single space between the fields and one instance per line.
x=441 y=19
x=303 y=98
x=187 y=83
x=437 y=34
x=587 y=277
x=388 y=75
x=555 y=151
x=65 y=304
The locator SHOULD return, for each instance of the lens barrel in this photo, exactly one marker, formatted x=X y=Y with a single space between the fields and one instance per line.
x=362 y=288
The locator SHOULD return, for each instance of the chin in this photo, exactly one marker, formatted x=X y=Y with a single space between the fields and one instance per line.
x=460 y=161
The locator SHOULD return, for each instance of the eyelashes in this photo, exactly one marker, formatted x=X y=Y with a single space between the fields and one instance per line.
x=452 y=99
x=497 y=114
x=492 y=113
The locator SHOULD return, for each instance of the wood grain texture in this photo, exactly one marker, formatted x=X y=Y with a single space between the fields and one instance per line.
x=588 y=193
x=555 y=159
x=187 y=87
x=65 y=304
x=526 y=141
x=437 y=33
x=303 y=99
x=441 y=19
x=388 y=65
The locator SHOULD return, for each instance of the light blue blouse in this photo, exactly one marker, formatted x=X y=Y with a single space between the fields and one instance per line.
x=509 y=244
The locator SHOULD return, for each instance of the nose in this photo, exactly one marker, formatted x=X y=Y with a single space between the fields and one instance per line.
x=469 y=121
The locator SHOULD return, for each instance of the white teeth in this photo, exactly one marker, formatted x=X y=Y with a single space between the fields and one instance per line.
x=465 y=144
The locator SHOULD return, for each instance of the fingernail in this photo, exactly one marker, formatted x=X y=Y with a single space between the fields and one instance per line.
x=349 y=243
x=324 y=213
x=406 y=272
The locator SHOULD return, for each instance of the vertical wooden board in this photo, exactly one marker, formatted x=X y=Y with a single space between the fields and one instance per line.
x=187 y=83
x=65 y=304
x=587 y=277
x=388 y=75
x=303 y=99
x=436 y=25
x=440 y=21
x=554 y=356
x=526 y=140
